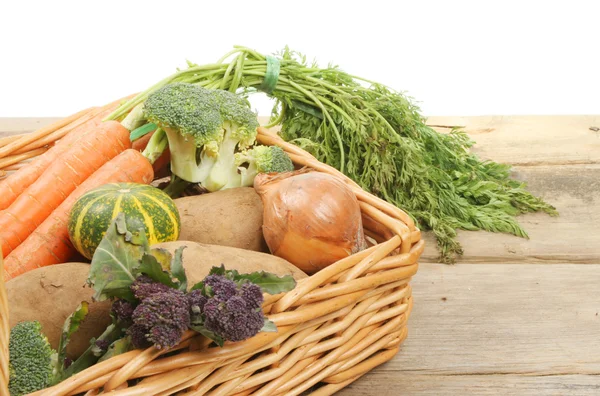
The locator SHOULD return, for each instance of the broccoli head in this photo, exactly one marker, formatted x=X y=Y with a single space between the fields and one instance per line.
x=204 y=128
x=31 y=359
x=260 y=159
x=160 y=319
x=144 y=286
x=232 y=311
x=122 y=310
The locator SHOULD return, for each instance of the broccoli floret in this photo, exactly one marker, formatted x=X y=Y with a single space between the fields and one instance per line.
x=102 y=346
x=196 y=300
x=144 y=286
x=204 y=128
x=260 y=159
x=232 y=311
x=31 y=359
x=138 y=335
x=160 y=319
x=122 y=310
x=232 y=319
x=220 y=287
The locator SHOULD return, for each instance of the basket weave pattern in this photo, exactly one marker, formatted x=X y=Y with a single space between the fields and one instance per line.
x=4 y=334
x=332 y=328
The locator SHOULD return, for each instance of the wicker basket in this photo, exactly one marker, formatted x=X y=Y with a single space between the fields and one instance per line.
x=333 y=327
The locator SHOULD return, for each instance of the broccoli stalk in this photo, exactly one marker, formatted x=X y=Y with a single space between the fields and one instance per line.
x=188 y=161
x=176 y=186
x=135 y=118
x=223 y=170
x=156 y=145
x=96 y=350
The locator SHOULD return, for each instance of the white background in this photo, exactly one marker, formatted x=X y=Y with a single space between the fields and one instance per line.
x=454 y=57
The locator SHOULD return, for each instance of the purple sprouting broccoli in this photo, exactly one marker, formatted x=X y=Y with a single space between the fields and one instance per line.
x=138 y=335
x=232 y=311
x=122 y=310
x=102 y=345
x=197 y=300
x=252 y=294
x=220 y=287
x=144 y=286
x=160 y=319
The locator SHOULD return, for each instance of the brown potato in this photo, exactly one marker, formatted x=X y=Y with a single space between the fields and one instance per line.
x=49 y=295
x=231 y=217
x=199 y=258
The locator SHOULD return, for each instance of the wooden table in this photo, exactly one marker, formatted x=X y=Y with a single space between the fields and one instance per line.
x=515 y=316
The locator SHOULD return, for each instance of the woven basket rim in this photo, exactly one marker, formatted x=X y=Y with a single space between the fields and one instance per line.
x=380 y=273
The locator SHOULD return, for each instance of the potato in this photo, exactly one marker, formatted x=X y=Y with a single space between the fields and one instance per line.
x=231 y=217
x=199 y=258
x=49 y=295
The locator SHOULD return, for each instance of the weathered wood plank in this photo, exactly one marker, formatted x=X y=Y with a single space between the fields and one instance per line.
x=389 y=384
x=511 y=327
x=16 y=125
x=572 y=237
x=531 y=140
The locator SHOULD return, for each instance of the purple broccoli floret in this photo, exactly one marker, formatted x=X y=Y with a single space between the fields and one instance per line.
x=252 y=294
x=233 y=319
x=102 y=345
x=138 y=334
x=122 y=310
x=233 y=311
x=161 y=319
x=144 y=286
x=197 y=300
x=220 y=287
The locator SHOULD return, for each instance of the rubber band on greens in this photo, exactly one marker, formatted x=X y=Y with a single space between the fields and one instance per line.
x=271 y=75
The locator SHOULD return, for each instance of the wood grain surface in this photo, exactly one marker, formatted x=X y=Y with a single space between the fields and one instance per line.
x=505 y=329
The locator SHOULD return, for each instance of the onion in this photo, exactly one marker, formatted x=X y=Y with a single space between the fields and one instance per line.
x=311 y=219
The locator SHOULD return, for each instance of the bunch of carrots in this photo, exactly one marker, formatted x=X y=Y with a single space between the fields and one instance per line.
x=67 y=159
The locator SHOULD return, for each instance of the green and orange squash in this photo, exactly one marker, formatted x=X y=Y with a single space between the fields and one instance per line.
x=144 y=207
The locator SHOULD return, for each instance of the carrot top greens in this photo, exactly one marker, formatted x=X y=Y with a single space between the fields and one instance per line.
x=378 y=138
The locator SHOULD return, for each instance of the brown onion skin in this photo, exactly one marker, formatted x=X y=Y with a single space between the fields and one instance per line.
x=311 y=219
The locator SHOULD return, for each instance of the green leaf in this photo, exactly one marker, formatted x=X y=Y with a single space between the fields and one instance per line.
x=115 y=263
x=118 y=347
x=163 y=256
x=141 y=131
x=207 y=333
x=177 y=269
x=70 y=326
x=218 y=270
x=269 y=327
x=199 y=285
x=151 y=267
x=112 y=333
x=268 y=282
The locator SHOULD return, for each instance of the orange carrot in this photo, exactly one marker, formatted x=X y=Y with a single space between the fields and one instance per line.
x=161 y=164
x=15 y=184
x=49 y=244
x=64 y=175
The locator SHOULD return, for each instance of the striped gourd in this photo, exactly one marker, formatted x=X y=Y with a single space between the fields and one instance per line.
x=143 y=206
